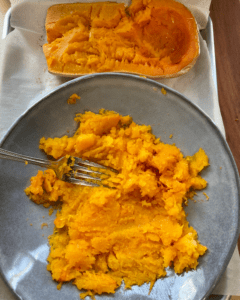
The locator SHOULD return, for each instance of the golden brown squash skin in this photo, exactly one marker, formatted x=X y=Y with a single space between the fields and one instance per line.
x=155 y=38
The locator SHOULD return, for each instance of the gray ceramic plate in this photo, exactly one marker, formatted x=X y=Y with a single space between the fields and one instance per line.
x=24 y=249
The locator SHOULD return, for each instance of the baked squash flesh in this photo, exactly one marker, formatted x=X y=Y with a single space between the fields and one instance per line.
x=155 y=38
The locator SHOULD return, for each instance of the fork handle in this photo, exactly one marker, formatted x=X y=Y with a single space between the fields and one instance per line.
x=5 y=154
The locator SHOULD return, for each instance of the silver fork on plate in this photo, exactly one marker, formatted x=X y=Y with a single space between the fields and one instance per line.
x=78 y=171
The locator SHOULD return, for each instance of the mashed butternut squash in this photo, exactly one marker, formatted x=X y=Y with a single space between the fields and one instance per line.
x=156 y=38
x=133 y=232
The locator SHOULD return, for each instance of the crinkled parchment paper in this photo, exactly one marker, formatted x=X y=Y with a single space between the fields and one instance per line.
x=24 y=80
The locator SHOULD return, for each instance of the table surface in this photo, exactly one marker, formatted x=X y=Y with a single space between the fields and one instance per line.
x=225 y=16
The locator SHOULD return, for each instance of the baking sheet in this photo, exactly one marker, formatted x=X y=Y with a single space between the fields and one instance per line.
x=206 y=33
x=25 y=66
x=25 y=79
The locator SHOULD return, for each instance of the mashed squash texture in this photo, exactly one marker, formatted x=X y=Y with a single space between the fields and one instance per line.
x=156 y=38
x=129 y=233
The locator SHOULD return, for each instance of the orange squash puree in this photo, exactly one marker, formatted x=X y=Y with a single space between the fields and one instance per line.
x=131 y=233
x=73 y=99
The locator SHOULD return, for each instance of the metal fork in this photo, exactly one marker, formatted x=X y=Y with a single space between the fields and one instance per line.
x=79 y=171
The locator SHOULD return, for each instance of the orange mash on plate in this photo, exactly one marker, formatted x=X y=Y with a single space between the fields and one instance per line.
x=132 y=232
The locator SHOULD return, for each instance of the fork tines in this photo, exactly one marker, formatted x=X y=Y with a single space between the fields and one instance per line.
x=84 y=173
x=87 y=163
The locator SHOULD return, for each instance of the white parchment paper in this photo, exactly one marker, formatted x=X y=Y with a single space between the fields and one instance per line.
x=25 y=76
x=24 y=80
